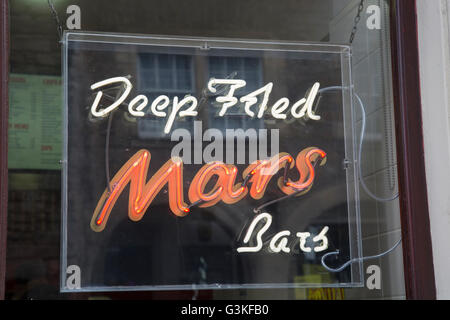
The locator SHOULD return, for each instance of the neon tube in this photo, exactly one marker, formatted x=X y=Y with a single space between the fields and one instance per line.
x=258 y=174
x=134 y=172
x=118 y=102
x=305 y=169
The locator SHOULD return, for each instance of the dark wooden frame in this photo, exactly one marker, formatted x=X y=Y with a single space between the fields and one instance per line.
x=416 y=234
x=4 y=71
x=417 y=250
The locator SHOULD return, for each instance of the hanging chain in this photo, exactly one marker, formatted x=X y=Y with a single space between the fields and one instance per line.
x=356 y=21
x=59 y=28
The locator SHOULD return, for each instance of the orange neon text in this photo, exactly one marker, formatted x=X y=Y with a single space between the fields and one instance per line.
x=256 y=179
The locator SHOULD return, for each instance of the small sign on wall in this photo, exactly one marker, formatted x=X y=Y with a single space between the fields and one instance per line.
x=35 y=119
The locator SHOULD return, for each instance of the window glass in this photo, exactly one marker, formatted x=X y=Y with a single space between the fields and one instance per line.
x=36 y=140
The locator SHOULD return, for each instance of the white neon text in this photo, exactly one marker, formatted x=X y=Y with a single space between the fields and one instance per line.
x=279 y=242
x=187 y=106
x=118 y=102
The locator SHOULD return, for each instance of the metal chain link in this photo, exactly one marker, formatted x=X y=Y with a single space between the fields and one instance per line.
x=59 y=28
x=356 y=21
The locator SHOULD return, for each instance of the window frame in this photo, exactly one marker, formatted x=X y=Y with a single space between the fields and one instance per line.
x=415 y=220
x=4 y=107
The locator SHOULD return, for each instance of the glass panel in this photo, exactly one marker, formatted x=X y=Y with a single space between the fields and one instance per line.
x=230 y=209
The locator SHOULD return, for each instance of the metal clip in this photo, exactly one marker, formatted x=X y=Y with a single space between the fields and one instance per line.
x=205 y=46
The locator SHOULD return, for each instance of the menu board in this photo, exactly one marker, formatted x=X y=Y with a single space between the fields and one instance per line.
x=35 y=118
x=196 y=163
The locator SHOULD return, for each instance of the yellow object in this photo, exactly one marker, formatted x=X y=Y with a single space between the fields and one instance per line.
x=315 y=274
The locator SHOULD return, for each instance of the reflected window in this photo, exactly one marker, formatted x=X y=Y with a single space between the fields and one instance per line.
x=248 y=69
x=164 y=74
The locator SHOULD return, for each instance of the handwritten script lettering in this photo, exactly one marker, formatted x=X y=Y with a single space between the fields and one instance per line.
x=280 y=240
x=187 y=107
x=226 y=188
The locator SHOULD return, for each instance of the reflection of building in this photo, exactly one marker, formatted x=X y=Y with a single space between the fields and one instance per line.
x=164 y=74
x=251 y=70
x=180 y=75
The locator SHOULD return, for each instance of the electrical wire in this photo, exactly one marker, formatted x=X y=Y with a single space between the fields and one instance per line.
x=362 y=183
x=361 y=140
x=345 y=265
x=360 y=146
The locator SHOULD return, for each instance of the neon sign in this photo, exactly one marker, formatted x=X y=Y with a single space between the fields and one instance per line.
x=226 y=189
x=212 y=164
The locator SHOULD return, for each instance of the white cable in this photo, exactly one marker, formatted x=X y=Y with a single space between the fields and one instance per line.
x=363 y=184
x=363 y=129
